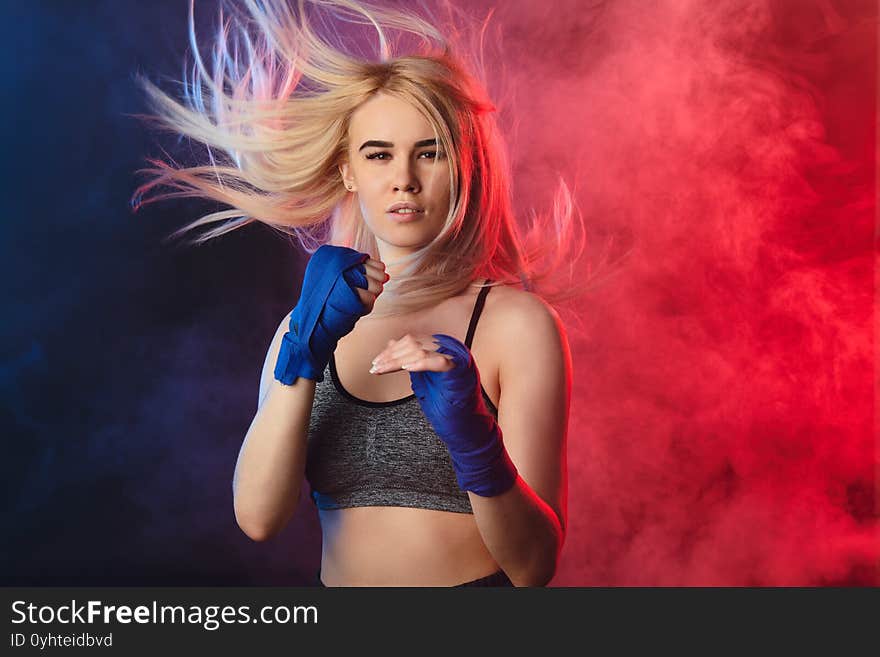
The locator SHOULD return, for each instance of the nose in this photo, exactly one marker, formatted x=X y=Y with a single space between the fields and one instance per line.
x=405 y=179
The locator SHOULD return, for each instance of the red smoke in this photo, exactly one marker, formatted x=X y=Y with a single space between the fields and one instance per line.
x=722 y=418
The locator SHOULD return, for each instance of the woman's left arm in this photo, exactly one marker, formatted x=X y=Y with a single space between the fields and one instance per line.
x=524 y=527
x=514 y=470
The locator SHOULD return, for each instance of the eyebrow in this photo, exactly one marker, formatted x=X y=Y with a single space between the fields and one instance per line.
x=388 y=144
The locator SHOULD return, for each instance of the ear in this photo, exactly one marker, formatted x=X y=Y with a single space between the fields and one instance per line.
x=347 y=180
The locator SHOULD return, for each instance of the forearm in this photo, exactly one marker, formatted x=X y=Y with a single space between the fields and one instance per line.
x=271 y=463
x=522 y=533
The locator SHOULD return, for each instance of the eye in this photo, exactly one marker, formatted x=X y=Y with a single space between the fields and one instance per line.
x=376 y=156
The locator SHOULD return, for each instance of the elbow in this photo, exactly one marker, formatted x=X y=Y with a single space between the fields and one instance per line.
x=544 y=576
x=256 y=533
x=541 y=573
x=254 y=530
x=542 y=568
x=549 y=564
x=259 y=529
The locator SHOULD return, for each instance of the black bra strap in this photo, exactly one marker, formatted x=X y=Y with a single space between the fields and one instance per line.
x=475 y=316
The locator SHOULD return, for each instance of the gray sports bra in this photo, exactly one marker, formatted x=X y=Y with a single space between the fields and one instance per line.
x=364 y=453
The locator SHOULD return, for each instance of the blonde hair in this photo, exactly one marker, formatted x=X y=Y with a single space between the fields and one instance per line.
x=274 y=111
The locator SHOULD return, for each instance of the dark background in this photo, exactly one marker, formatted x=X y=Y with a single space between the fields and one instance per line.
x=130 y=365
x=723 y=410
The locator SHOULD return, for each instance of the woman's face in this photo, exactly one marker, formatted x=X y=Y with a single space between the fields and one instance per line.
x=394 y=158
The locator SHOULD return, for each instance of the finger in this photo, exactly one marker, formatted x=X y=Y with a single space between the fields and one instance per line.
x=404 y=346
x=432 y=362
x=425 y=358
x=388 y=353
x=375 y=285
x=368 y=296
x=376 y=273
x=376 y=279
x=382 y=354
x=376 y=266
x=393 y=364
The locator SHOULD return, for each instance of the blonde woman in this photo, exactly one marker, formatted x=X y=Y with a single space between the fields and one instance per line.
x=421 y=383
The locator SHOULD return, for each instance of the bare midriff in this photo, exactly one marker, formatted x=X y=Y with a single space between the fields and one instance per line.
x=401 y=546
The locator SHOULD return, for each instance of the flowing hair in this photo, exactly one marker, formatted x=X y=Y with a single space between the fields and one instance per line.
x=273 y=112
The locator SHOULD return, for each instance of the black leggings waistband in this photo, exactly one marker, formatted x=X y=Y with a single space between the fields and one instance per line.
x=498 y=578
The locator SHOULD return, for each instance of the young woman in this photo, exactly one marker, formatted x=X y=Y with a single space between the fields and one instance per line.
x=418 y=385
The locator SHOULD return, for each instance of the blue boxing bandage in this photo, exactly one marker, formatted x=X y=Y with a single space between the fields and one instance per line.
x=327 y=310
x=453 y=403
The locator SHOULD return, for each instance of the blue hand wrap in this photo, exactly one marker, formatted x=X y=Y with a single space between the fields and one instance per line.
x=327 y=310
x=453 y=403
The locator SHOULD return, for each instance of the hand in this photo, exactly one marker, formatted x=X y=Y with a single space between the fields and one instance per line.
x=446 y=382
x=413 y=353
x=376 y=279
x=339 y=287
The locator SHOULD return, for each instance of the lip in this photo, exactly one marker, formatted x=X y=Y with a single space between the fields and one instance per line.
x=408 y=217
x=404 y=204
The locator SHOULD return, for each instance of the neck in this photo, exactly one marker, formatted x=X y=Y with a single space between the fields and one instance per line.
x=389 y=254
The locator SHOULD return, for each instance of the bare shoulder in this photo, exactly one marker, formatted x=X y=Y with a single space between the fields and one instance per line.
x=511 y=312
x=525 y=330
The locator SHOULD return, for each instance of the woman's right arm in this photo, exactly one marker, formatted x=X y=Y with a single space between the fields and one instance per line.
x=271 y=463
